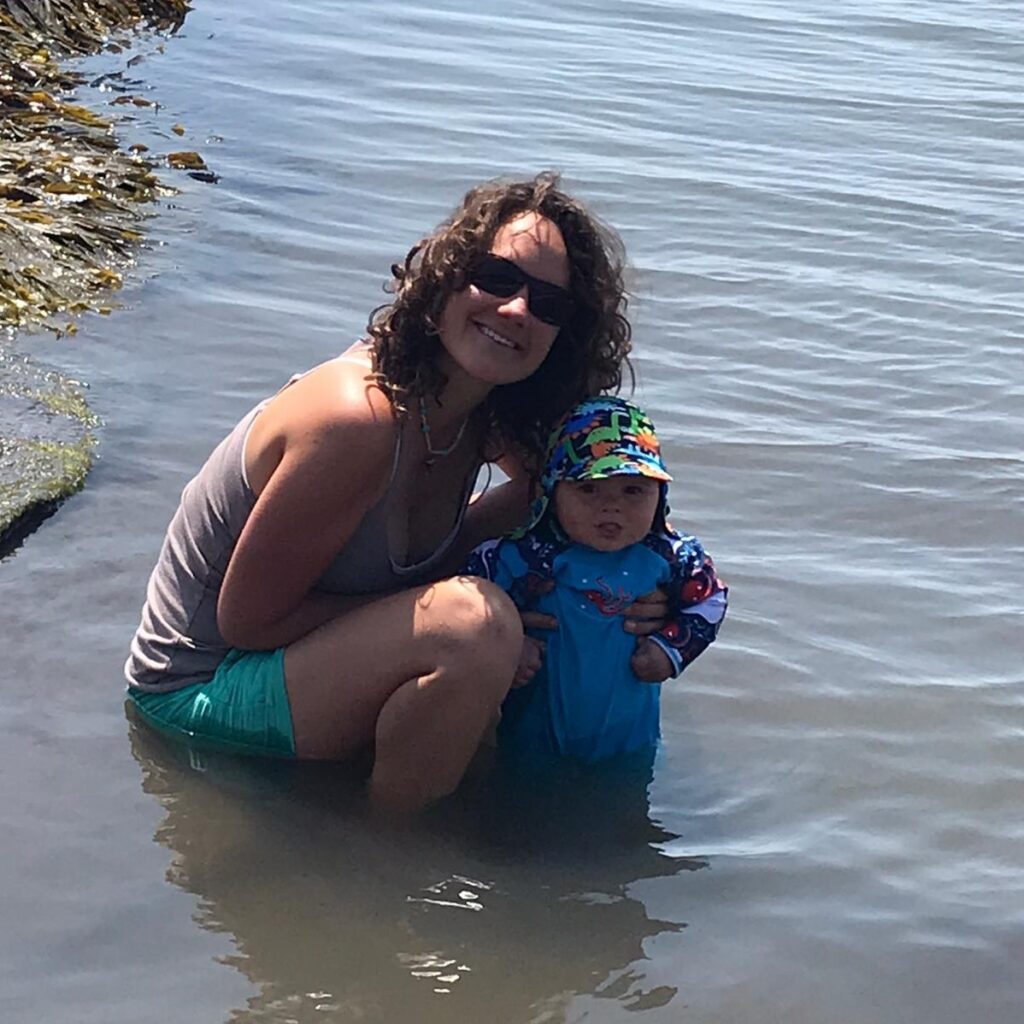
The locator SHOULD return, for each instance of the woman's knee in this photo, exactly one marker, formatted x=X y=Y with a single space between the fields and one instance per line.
x=479 y=619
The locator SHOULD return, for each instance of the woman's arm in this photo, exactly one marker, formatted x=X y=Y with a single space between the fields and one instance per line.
x=318 y=457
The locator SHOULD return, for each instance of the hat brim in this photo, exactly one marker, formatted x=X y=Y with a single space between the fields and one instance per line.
x=595 y=471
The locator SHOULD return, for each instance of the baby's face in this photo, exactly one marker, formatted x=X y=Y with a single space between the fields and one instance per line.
x=609 y=514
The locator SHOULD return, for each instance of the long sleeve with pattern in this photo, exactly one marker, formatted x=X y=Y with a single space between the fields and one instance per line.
x=697 y=598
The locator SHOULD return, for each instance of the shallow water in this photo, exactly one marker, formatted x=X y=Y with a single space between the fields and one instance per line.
x=821 y=210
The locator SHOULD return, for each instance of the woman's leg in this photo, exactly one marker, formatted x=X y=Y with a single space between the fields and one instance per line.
x=417 y=675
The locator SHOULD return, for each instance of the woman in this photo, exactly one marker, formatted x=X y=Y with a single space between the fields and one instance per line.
x=300 y=604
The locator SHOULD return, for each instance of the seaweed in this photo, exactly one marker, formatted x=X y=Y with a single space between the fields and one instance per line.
x=72 y=206
x=69 y=197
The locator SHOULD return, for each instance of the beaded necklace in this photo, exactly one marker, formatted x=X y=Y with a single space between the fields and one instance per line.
x=437 y=453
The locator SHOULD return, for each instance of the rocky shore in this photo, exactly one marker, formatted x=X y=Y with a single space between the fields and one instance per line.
x=72 y=212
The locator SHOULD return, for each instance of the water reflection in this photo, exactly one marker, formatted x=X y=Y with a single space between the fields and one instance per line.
x=489 y=909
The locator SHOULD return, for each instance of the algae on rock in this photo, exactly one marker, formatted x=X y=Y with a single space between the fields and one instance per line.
x=46 y=444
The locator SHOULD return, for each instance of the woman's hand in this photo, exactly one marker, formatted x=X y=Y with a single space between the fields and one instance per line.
x=529 y=661
x=647 y=614
x=539 y=620
x=533 y=649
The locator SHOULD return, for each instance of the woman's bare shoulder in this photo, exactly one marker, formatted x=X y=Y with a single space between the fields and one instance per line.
x=335 y=409
x=342 y=394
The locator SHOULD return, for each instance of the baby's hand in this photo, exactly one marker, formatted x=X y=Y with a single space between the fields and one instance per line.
x=650 y=663
x=530 y=658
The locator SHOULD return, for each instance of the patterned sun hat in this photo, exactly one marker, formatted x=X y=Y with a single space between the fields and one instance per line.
x=602 y=437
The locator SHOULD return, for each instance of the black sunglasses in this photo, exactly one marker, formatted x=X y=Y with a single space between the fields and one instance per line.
x=503 y=278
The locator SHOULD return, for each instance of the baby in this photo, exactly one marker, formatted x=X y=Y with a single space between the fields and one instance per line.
x=598 y=539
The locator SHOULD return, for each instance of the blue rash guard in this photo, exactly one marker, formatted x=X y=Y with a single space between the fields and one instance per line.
x=584 y=703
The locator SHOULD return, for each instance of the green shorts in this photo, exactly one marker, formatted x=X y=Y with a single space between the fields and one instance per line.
x=243 y=708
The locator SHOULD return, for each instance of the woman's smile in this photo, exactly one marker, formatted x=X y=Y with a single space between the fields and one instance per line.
x=499 y=339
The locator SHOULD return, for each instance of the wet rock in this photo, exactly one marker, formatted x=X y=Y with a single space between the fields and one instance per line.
x=46 y=444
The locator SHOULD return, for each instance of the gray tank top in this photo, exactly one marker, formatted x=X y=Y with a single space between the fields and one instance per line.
x=178 y=642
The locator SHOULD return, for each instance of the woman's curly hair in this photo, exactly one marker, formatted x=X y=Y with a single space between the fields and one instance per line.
x=587 y=356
